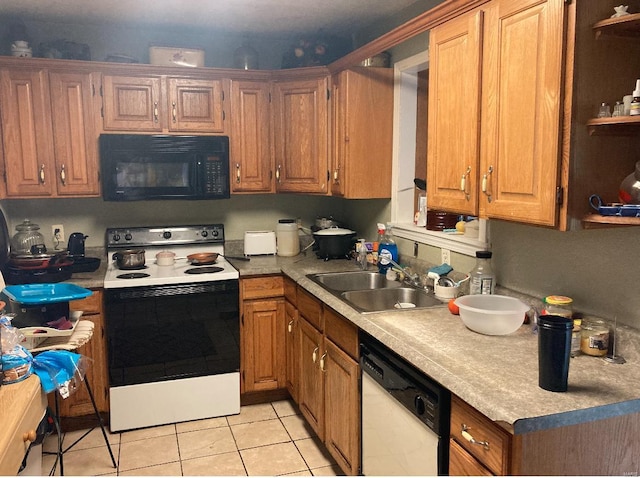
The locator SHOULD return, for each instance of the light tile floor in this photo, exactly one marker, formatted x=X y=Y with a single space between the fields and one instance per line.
x=267 y=439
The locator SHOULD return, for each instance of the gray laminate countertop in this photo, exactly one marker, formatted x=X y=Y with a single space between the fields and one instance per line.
x=497 y=375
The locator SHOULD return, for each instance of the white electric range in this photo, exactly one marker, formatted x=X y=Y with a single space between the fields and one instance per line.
x=172 y=331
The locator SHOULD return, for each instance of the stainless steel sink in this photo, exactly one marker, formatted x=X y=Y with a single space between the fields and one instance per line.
x=390 y=299
x=358 y=280
x=372 y=292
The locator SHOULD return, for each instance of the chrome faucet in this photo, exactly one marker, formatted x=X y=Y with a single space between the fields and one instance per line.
x=410 y=277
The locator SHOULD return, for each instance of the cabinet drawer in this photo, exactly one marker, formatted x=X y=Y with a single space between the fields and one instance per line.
x=290 y=290
x=494 y=455
x=310 y=308
x=23 y=406
x=89 y=305
x=341 y=332
x=261 y=287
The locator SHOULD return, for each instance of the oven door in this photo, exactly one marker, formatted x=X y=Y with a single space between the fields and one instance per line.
x=161 y=333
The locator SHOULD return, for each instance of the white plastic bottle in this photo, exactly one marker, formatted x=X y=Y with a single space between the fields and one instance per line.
x=635 y=102
x=482 y=279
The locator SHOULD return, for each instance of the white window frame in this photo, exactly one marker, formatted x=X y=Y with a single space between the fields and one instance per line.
x=404 y=147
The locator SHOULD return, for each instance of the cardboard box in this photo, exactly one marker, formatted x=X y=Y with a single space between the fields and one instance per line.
x=172 y=56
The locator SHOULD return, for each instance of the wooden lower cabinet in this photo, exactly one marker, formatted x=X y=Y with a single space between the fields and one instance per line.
x=487 y=444
x=262 y=338
x=329 y=380
x=291 y=349
x=79 y=404
x=311 y=378
x=342 y=402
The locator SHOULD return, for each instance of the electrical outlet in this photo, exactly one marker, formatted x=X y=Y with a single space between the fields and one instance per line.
x=445 y=255
x=57 y=231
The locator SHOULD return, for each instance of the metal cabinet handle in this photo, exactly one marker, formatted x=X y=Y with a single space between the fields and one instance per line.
x=322 y=369
x=314 y=356
x=41 y=175
x=63 y=175
x=463 y=183
x=336 y=175
x=485 y=177
x=290 y=326
x=278 y=173
x=237 y=172
x=467 y=436
x=155 y=111
x=29 y=436
x=173 y=111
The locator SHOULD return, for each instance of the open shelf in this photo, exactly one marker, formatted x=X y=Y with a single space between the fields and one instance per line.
x=592 y=221
x=617 y=125
x=625 y=26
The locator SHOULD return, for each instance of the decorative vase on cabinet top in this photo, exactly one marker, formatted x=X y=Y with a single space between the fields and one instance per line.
x=629 y=192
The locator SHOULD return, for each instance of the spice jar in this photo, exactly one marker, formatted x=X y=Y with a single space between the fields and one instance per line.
x=594 y=337
x=558 y=305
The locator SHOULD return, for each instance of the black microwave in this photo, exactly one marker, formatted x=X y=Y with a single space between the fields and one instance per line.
x=137 y=167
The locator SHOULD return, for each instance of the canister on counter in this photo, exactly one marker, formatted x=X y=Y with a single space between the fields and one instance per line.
x=594 y=337
x=558 y=305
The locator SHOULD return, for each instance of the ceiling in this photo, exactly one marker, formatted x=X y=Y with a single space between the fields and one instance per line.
x=338 y=17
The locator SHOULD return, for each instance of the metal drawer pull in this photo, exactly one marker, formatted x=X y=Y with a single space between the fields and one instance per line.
x=467 y=436
x=290 y=327
x=173 y=111
x=322 y=362
x=237 y=172
x=41 y=176
x=155 y=111
x=314 y=356
x=63 y=175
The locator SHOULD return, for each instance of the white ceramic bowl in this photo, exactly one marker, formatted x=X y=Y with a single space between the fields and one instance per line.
x=492 y=314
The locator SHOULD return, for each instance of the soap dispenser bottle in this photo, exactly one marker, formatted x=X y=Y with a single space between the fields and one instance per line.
x=387 y=249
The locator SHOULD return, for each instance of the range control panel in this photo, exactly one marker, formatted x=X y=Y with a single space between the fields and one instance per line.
x=169 y=235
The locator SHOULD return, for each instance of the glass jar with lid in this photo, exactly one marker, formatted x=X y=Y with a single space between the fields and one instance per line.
x=594 y=337
x=558 y=305
x=28 y=235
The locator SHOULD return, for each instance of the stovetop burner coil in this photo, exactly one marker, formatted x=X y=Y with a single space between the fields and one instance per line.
x=133 y=275
x=204 y=270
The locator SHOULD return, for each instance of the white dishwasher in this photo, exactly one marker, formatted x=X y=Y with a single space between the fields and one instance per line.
x=405 y=416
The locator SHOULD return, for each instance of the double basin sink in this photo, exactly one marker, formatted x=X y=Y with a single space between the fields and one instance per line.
x=372 y=292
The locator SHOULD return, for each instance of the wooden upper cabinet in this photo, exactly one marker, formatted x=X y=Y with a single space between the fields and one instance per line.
x=300 y=109
x=251 y=163
x=132 y=103
x=454 y=114
x=521 y=104
x=74 y=132
x=26 y=132
x=159 y=104
x=362 y=122
x=494 y=111
x=196 y=105
x=49 y=133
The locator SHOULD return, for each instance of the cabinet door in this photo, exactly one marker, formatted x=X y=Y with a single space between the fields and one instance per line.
x=263 y=345
x=291 y=345
x=311 y=379
x=453 y=118
x=362 y=133
x=74 y=133
x=342 y=398
x=301 y=135
x=522 y=75
x=132 y=103
x=251 y=160
x=79 y=404
x=26 y=132
x=196 y=105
